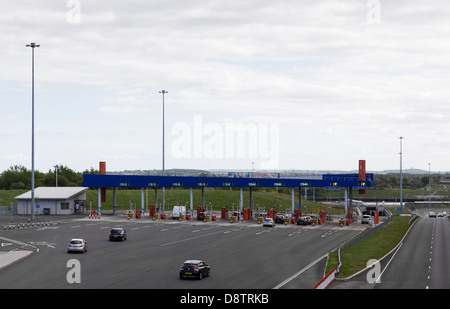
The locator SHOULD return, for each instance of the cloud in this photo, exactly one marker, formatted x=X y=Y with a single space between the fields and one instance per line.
x=320 y=66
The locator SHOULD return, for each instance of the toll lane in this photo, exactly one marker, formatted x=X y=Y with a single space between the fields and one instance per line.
x=241 y=255
x=422 y=261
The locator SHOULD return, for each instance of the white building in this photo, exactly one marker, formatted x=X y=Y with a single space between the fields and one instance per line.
x=53 y=201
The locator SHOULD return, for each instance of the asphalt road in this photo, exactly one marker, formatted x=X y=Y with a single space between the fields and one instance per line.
x=241 y=255
x=422 y=261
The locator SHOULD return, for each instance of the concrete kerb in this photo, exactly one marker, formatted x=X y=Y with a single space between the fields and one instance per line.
x=347 y=279
x=10 y=257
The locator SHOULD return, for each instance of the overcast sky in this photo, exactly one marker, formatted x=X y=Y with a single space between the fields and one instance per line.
x=314 y=85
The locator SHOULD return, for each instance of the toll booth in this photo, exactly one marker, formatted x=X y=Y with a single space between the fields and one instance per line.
x=199 y=210
x=376 y=217
x=224 y=213
x=352 y=181
x=298 y=214
x=349 y=218
x=138 y=214
x=247 y=214
x=322 y=216
x=152 y=210
x=271 y=213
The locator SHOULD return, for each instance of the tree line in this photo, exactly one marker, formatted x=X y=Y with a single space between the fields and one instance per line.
x=383 y=181
x=18 y=177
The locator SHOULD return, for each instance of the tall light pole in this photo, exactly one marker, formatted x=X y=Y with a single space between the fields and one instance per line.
x=33 y=46
x=429 y=181
x=56 y=175
x=401 y=175
x=163 y=93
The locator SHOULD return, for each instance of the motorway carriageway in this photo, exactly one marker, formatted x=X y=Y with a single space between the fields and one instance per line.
x=242 y=255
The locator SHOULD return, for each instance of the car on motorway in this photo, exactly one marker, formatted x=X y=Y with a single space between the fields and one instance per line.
x=440 y=214
x=365 y=219
x=432 y=214
x=117 y=233
x=194 y=269
x=305 y=220
x=279 y=218
x=268 y=222
x=77 y=245
x=201 y=216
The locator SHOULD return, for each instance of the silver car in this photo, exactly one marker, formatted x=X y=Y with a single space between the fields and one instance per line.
x=269 y=222
x=77 y=245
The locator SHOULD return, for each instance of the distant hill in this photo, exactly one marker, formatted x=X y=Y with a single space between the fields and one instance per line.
x=291 y=172
x=411 y=171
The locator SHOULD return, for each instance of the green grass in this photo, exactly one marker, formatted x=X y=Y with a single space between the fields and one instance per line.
x=217 y=197
x=375 y=246
x=7 y=196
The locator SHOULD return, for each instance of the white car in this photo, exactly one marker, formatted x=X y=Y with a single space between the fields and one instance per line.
x=77 y=245
x=365 y=219
x=268 y=222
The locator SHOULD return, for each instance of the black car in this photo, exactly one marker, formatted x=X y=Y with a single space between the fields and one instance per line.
x=117 y=233
x=304 y=220
x=279 y=219
x=201 y=216
x=195 y=269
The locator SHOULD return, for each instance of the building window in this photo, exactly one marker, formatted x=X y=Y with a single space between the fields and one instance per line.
x=65 y=205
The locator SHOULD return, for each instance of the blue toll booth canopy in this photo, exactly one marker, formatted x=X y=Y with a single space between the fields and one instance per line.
x=328 y=181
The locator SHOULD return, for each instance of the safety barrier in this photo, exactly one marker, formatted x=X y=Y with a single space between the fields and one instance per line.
x=326 y=281
x=157 y=216
x=94 y=215
x=27 y=225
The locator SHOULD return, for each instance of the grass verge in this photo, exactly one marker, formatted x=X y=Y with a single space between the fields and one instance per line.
x=180 y=196
x=375 y=246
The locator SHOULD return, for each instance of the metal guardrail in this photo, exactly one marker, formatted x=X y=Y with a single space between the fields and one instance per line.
x=363 y=236
x=357 y=239
x=326 y=281
x=4 y=210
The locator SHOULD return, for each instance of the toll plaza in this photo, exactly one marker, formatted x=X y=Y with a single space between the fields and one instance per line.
x=353 y=181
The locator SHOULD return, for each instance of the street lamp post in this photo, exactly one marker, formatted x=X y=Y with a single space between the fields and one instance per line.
x=163 y=146
x=429 y=184
x=56 y=175
x=401 y=175
x=33 y=46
